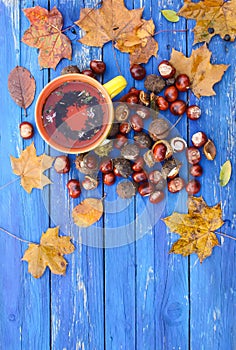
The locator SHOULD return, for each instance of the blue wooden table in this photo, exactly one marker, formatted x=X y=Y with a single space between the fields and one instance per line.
x=134 y=296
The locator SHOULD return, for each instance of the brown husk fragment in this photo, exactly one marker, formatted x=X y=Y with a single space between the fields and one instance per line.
x=126 y=189
x=154 y=83
x=209 y=150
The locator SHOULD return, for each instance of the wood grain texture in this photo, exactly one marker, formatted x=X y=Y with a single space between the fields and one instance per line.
x=212 y=285
x=134 y=296
x=78 y=323
x=26 y=300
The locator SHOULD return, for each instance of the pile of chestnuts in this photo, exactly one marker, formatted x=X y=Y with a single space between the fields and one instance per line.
x=140 y=147
x=145 y=159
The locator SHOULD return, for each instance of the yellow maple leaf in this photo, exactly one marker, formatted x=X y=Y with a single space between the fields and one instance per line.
x=30 y=168
x=49 y=253
x=45 y=34
x=202 y=74
x=212 y=17
x=196 y=228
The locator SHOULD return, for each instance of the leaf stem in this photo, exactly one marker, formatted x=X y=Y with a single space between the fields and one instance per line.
x=14 y=236
x=9 y=183
x=225 y=235
x=68 y=28
x=171 y=30
x=115 y=57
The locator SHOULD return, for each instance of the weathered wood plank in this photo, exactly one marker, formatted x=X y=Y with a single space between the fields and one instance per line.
x=120 y=260
x=77 y=317
x=212 y=284
x=162 y=279
x=24 y=300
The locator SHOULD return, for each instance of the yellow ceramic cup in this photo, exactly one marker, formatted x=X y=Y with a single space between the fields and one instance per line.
x=53 y=136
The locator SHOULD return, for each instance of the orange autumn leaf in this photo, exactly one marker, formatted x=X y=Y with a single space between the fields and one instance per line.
x=196 y=229
x=45 y=34
x=87 y=212
x=30 y=168
x=202 y=74
x=49 y=253
x=125 y=28
x=140 y=43
x=212 y=17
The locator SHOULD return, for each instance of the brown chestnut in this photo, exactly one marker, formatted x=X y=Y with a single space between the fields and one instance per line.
x=178 y=107
x=156 y=197
x=106 y=166
x=166 y=69
x=91 y=162
x=134 y=90
x=143 y=112
x=120 y=141
x=138 y=164
x=137 y=71
x=162 y=104
x=139 y=176
x=132 y=99
x=159 y=152
x=62 y=164
x=199 y=139
x=73 y=187
x=193 y=187
x=88 y=72
x=196 y=170
x=171 y=93
x=98 y=66
x=145 y=189
x=193 y=112
x=125 y=127
x=109 y=178
x=136 y=122
x=26 y=130
x=193 y=155
x=175 y=185
x=182 y=82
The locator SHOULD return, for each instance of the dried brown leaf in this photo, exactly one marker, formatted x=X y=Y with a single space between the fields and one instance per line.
x=111 y=22
x=219 y=15
x=21 y=86
x=203 y=75
x=49 y=253
x=88 y=212
x=30 y=168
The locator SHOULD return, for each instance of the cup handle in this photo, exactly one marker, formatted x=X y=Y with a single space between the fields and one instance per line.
x=115 y=85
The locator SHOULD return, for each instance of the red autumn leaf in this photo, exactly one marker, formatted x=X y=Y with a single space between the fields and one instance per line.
x=45 y=34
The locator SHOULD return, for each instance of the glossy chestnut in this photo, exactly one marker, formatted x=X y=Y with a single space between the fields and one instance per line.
x=145 y=189
x=73 y=187
x=193 y=187
x=178 y=107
